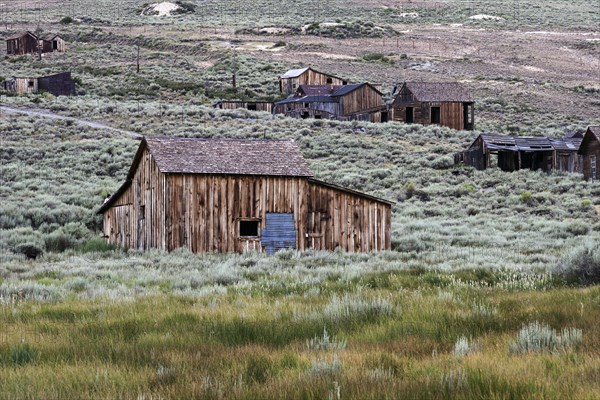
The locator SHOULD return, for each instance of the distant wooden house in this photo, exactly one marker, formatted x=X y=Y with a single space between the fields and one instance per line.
x=22 y=43
x=232 y=195
x=58 y=84
x=292 y=79
x=441 y=103
x=590 y=151
x=266 y=106
x=53 y=42
x=515 y=153
x=358 y=101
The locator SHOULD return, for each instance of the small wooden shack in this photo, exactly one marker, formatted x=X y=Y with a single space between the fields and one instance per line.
x=52 y=43
x=358 y=101
x=233 y=195
x=515 y=153
x=22 y=43
x=442 y=103
x=292 y=79
x=266 y=106
x=58 y=84
x=590 y=151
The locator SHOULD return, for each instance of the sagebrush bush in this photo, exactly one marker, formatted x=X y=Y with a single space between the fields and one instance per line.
x=539 y=337
x=581 y=265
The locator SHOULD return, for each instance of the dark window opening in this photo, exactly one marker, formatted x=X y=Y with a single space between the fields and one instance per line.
x=409 y=118
x=248 y=228
x=329 y=81
x=318 y=116
x=294 y=86
x=344 y=82
x=305 y=114
x=30 y=83
x=142 y=212
x=306 y=105
x=435 y=115
x=252 y=107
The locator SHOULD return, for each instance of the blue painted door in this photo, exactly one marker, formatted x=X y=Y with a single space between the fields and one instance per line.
x=280 y=232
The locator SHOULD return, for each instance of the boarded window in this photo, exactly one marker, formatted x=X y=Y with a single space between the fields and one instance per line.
x=280 y=232
x=248 y=228
x=435 y=115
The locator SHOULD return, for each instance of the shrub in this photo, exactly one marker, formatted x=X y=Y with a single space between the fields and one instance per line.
x=96 y=245
x=325 y=343
x=258 y=368
x=580 y=266
x=526 y=197
x=464 y=347
x=23 y=354
x=66 y=20
x=30 y=250
x=539 y=337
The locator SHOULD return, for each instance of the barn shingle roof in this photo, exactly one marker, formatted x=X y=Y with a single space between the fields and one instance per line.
x=228 y=156
x=439 y=91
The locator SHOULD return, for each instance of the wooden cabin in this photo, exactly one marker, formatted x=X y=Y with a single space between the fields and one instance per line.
x=292 y=79
x=358 y=101
x=234 y=195
x=441 y=103
x=22 y=43
x=52 y=43
x=266 y=106
x=515 y=153
x=590 y=151
x=58 y=84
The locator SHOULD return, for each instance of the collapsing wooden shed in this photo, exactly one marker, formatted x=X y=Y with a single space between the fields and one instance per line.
x=22 y=43
x=230 y=195
x=58 y=84
x=515 y=153
x=52 y=43
x=440 y=103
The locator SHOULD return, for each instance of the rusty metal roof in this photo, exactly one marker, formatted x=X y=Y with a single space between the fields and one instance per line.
x=438 y=91
x=227 y=156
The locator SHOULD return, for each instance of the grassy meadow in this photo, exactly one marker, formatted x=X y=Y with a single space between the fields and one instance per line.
x=490 y=289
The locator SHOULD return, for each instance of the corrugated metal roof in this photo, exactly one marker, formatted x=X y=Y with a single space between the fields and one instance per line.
x=228 y=156
x=439 y=91
x=529 y=143
x=309 y=99
x=294 y=73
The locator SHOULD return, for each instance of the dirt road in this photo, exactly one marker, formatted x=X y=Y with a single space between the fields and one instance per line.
x=47 y=114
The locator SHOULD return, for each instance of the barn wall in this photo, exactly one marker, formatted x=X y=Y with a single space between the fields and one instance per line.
x=451 y=114
x=59 y=84
x=290 y=85
x=590 y=147
x=337 y=218
x=48 y=45
x=23 y=85
x=23 y=45
x=136 y=218
x=362 y=99
x=260 y=106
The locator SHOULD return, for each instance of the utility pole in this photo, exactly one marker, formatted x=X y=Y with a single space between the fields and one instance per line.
x=138 y=59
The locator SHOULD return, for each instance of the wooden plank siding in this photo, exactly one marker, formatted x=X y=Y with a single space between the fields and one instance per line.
x=265 y=106
x=205 y=211
x=451 y=114
x=289 y=86
x=361 y=100
x=590 y=152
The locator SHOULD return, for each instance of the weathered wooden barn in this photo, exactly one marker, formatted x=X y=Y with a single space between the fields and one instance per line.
x=22 y=43
x=52 y=43
x=590 y=151
x=266 y=106
x=515 y=153
x=358 y=101
x=231 y=195
x=58 y=84
x=292 y=79
x=442 y=103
